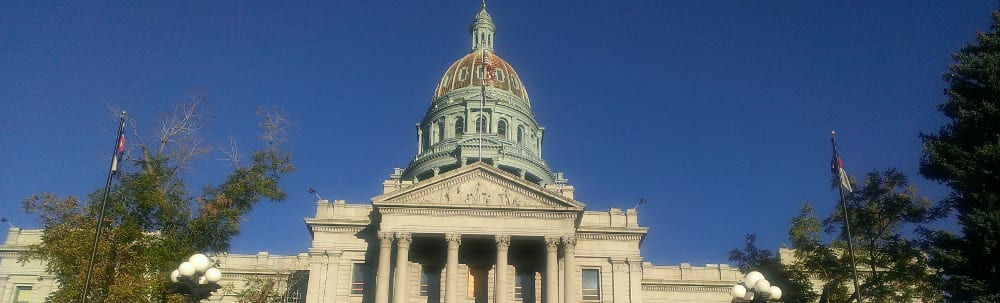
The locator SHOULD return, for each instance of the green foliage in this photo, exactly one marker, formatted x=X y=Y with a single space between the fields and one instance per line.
x=793 y=282
x=269 y=289
x=823 y=262
x=965 y=155
x=150 y=225
x=890 y=266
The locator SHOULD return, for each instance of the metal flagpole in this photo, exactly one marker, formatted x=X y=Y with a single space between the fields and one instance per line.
x=119 y=144
x=837 y=168
x=482 y=104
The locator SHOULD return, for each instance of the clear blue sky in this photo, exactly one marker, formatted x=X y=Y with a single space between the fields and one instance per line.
x=717 y=112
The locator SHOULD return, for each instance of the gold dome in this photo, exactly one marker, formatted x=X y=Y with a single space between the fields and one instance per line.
x=468 y=72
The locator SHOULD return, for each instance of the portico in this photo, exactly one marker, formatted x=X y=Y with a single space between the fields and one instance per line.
x=503 y=288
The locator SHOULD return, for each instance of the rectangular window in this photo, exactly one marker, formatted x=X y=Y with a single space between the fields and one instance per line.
x=524 y=286
x=430 y=282
x=23 y=294
x=591 y=284
x=361 y=277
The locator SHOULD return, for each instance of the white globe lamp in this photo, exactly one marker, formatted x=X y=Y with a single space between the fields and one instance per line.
x=775 y=293
x=738 y=291
x=186 y=269
x=200 y=262
x=213 y=275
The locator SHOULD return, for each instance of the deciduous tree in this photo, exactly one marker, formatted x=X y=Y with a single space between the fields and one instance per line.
x=153 y=222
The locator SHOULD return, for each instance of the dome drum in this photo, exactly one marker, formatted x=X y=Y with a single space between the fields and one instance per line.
x=480 y=112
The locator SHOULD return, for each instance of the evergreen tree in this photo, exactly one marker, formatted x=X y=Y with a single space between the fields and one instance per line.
x=152 y=222
x=965 y=155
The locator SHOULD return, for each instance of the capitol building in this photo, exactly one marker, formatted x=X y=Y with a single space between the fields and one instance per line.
x=477 y=216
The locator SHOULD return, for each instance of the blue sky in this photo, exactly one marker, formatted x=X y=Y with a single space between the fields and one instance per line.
x=717 y=112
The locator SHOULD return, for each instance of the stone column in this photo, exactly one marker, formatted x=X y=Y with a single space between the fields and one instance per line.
x=500 y=290
x=569 y=250
x=382 y=275
x=401 y=293
x=551 y=270
x=451 y=280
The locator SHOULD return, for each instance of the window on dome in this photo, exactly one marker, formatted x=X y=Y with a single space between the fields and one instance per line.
x=520 y=134
x=481 y=126
x=463 y=73
x=513 y=82
x=500 y=74
x=502 y=128
x=459 y=126
x=444 y=81
x=440 y=129
x=479 y=72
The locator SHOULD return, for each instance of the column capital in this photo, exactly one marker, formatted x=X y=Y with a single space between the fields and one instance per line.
x=551 y=243
x=385 y=238
x=453 y=239
x=503 y=241
x=403 y=238
x=569 y=241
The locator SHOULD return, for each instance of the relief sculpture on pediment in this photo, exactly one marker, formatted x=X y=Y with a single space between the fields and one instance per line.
x=476 y=192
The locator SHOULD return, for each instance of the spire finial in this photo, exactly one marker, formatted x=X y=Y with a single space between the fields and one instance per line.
x=482 y=30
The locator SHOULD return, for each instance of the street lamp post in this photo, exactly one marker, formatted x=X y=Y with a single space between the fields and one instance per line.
x=196 y=278
x=754 y=288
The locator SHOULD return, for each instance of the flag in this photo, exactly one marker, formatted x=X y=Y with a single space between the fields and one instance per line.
x=488 y=69
x=837 y=168
x=118 y=154
x=116 y=158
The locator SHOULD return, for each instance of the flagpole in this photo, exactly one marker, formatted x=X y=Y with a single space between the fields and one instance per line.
x=482 y=104
x=847 y=221
x=104 y=202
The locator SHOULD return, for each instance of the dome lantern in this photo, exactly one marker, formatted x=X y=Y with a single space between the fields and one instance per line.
x=482 y=30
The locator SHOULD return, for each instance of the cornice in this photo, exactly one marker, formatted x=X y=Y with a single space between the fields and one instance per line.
x=686 y=288
x=337 y=229
x=477 y=212
x=613 y=237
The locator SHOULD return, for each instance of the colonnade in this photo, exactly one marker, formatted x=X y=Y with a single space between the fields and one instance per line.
x=401 y=293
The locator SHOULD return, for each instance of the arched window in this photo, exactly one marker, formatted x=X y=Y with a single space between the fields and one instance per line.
x=502 y=128
x=459 y=126
x=481 y=126
x=520 y=134
x=440 y=130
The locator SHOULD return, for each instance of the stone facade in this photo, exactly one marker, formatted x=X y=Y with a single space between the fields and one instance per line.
x=476 y=217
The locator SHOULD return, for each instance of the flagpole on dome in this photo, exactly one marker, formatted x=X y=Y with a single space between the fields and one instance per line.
x=844 y=186
x=112 y=173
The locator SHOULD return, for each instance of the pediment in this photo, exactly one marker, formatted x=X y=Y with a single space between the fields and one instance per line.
x=478 y=186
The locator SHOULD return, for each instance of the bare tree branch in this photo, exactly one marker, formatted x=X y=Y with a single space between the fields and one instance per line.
x=274 y=126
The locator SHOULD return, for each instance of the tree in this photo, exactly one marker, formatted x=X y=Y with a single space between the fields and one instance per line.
x=794 y=284
x=823 y=262
x=152 y=221
x=965 y=156
x=891 y=266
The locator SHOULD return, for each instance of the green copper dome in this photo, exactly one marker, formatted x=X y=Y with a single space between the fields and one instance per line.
x=473 y=120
